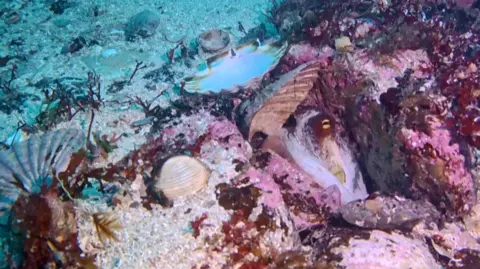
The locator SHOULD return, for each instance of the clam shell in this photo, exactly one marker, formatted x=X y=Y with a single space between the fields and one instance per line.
x=181 y=176
x=276 y=110
x=27 y=165
x=224 y=71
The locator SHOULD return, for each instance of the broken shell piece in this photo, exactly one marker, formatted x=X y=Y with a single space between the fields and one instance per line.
x=343 y=44
x=181 y=176
x=237 y=67
x=213 y=40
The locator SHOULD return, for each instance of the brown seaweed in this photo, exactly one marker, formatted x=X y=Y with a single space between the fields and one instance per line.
x=106 y=224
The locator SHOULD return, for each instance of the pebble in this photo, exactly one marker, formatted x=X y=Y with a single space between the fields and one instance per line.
x=143 y=24
x=61 y=23
x=108 y=52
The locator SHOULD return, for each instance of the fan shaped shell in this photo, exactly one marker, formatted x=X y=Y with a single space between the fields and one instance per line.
x=181 y=176
x=27 y=165
x=276 y=110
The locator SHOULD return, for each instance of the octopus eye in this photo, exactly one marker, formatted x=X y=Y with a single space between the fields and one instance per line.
x=430 y=150
x=326 y=124
x=322 y=127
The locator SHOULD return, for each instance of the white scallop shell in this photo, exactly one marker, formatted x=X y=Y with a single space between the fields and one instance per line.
x=181 y=176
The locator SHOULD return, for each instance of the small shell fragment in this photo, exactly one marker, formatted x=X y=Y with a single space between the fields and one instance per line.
x=343 y=44
x=181 y=176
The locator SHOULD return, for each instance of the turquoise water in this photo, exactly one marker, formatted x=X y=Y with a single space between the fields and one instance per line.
x=95 y=96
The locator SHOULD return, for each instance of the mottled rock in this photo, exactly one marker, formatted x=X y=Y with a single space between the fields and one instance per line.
x=59 y=6
x=388 y=213
x=213 y=40
x=61 y=22
x=75 y=45
x=360 y=249
x=143 y=24
x=466 y=259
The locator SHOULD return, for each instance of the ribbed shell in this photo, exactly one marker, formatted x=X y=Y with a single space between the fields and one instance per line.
x=276 y=110
x=181 y=176
x=27 y=165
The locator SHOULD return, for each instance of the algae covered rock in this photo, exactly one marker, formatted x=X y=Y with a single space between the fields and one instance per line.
x=142 y=24
x=341 y=247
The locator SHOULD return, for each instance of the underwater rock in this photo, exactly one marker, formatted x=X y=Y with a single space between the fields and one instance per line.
x=61 y=23
x=242 y=66
x=437 y=166
x=464 y=3
x=305 y=53
x=213 y=40
x=290 y=22
x=418 y=144
x=28 y=165
x=143 y=24
x=362 y=249
x=228 y=136
x=408 y=135
x=385 y=213
x=75 y=45
x=59 y=6
x=12 y=18
x=283 y=184
x=472 y=220
x=465 y=259
x=448 y=241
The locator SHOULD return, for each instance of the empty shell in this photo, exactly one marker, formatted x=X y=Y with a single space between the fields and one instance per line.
x=238 y=67
x=181 y=176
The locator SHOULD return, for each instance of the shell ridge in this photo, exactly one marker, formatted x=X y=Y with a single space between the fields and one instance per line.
x=42 y=152
x=74 y=142
x=20 y=151
x=32 y=145
x=52 y=150
x=6 y=173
